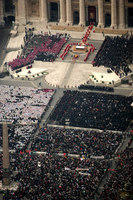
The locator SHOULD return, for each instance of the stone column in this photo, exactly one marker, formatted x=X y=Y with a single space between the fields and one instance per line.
x=1 y=13
x=81 y=12
x=22 y=12
x=121 y=14
x=69 y=12
x=16 y=12
x=100 y=14
x=113 y=14
x=62 y=11
x=5 y=156
x=44 y=11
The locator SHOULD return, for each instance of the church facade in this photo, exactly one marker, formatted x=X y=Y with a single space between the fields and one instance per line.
x=114 y=14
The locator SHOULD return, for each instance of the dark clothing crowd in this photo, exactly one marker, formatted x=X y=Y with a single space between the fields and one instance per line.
x=97 y=88
x=51 y=177
x=114 y=53
x=119 y=185
x=78 y=142
x=93 y=110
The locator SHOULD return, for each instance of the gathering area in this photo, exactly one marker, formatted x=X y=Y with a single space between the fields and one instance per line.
x=52 y=56
x=66 y=161
x=66 y=119
x=89 y=144
x=93 y=110
x=23 y=105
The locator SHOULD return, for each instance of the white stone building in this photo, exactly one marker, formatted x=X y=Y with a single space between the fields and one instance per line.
x=114 y=14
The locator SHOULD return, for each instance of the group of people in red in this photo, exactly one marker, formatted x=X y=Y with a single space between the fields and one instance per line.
x=90 y=50
x=45 y=47
x=66 y=50
x=89 y=29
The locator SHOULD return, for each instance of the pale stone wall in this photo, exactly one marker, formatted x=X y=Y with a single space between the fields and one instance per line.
x=40 y=10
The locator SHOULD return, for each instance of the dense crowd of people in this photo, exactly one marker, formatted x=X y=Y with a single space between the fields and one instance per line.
x=83 y=143
x=120 y=183
x=95 y=87
x=114 y=53
x=41 y=47
x=19 y=136
x=93 y=110
x=50 y=176
x=53 y=177
x=23 y=104
x=64 y=163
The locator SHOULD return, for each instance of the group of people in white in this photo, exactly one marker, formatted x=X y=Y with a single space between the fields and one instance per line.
x=23 y=107
x=19 y=136
x=22 y=104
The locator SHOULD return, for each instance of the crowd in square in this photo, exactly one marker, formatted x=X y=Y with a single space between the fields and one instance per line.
x=42 y=47
x=18 y=136
x=78 y=142
x=93 y=110
x=66 y=163
x=23 y=105
x=51 y=177
x=119 y=185
x=114 y=53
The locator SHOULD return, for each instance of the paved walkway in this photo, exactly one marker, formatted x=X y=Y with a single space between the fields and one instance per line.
x=57 y=96
x=67 y=75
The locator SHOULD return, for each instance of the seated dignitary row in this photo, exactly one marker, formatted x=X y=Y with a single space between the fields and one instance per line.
x=97 y=88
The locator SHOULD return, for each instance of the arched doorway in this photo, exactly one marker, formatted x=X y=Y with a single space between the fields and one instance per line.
x=107 y=20
x=130 y=17
x=54 y=12
x=76 y=17
x=92 y=14
x=9 y=14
